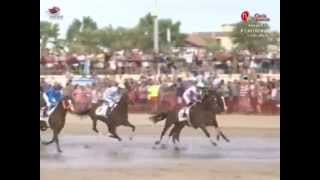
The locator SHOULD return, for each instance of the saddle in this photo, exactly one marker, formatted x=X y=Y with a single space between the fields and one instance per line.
x=184 y=114
x=105 y=110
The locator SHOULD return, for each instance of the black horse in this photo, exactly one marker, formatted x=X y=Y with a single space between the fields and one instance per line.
x=202 y=114
x=118 y=116
x=57 y=120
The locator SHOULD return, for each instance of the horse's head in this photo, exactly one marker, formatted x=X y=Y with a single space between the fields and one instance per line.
x=213 y=100
x=126 y=97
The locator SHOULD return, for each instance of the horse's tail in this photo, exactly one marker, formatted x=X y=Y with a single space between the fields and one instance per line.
x=159 y=117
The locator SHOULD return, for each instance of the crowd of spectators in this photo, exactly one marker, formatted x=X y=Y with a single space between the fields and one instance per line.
x=136 y=62
x=241 y=96
x=150 y=93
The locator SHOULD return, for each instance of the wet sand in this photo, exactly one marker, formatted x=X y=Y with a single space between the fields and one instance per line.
x=252 y=154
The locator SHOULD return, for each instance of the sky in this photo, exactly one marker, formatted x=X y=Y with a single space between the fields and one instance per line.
x=194 y=15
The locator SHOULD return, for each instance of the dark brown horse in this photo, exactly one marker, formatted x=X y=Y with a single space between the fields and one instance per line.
x=57 y=120
x=118 y=116
x=202 y=114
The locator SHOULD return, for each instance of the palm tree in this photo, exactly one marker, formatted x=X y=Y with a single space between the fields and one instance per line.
x=83 y=35
x=47 y=31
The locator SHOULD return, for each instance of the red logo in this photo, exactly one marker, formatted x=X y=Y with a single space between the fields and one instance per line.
x=245 y=16
x=54 y=10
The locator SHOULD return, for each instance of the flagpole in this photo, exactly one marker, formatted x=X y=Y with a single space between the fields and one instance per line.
x=156 y=35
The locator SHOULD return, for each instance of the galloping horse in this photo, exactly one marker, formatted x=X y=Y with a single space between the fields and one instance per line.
x=57 y=120
x=118 y=116
x=202 y=114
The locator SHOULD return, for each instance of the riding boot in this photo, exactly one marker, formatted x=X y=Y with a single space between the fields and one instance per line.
x=184 y=114
x=185 y=111
x=108 y=112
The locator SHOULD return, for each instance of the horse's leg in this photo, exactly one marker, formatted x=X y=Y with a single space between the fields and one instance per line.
x=183 y=124
x=176 y=134
x=204 y=129
x=220 y=133
x=94 y=121
x=133 y=129
x=94 y=125
x=57 y=143
x=218 y=130
x=49 y=142
x=112 y=130
x=172 y=132
x=166 y=127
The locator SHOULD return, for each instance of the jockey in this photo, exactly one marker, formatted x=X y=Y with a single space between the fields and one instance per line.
x=191 y=95
x=111 y=96
x=53 y=96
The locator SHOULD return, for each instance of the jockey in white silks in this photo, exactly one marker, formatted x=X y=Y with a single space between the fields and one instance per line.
x=191 y=96
x=111 y=96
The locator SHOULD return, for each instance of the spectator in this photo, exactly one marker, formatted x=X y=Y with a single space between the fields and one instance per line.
x=81 y=59
x=253 y=96
x=235 y=94
x=226 y=92
x=153 y=96
x=143 y=93
x=260 y=96
x=244 y=99
x=180 y=90
x=87 y=64
x=274 y=102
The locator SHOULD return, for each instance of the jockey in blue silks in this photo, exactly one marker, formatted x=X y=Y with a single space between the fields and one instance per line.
x=53 y=96
x=111 y=96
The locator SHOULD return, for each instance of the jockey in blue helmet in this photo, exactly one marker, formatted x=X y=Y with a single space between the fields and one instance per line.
x=54 y=96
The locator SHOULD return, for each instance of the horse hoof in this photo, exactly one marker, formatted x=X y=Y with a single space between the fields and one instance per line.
x=95 y=130
x=45 y=143
x=183 y=148
x=164 y=146
x=176 y=148
x=214 y=144
x=60 y=151
x=218 y=138
x=157 y=143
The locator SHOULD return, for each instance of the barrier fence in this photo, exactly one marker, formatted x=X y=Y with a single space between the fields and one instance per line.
x=150 y=66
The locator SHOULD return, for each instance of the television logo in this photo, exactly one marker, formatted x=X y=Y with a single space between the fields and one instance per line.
x=245 y=15
x=261 y=17
x=55 y=12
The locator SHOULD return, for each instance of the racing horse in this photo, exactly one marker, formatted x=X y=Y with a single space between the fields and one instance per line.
x=117 y=117
x=202 y=114
x=57 y=120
